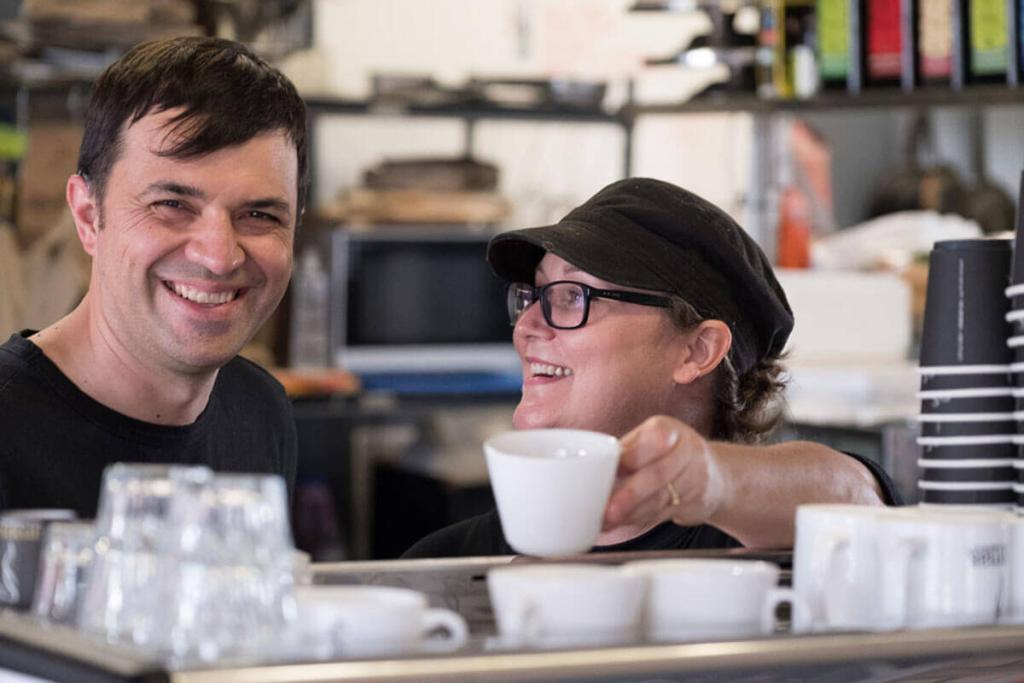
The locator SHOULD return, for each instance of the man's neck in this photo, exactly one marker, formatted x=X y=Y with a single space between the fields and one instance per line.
x=94 y=362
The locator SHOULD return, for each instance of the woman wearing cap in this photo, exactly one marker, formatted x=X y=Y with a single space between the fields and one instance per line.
x=660 y=321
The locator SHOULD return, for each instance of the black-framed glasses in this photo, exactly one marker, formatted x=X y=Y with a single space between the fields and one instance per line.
x=566 y=304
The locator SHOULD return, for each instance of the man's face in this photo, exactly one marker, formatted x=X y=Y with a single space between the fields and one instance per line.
x=608 y=375
x=192 y=255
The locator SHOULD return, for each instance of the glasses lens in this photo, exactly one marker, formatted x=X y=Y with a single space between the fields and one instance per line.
x=518 y=299
x=565 y=304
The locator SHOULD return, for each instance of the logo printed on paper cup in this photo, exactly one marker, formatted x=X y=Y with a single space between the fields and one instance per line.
x=988 y=556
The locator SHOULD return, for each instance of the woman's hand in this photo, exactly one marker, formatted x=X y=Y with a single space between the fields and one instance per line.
x=666 y=471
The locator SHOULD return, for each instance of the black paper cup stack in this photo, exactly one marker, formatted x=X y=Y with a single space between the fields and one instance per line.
x=968 y=392
x=1015 y=341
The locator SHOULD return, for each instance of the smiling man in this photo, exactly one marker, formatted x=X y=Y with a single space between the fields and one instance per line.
x=191 y=178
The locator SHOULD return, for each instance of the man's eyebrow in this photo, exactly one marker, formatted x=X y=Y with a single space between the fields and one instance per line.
x=270 y=203
x=174 y=188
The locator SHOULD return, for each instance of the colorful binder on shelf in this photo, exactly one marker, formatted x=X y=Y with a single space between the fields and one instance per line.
x=935 y=44
x=883 y=42
x=987 y=40
x=834 y=38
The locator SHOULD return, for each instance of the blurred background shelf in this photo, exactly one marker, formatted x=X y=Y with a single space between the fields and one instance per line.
x=326 y=104
x=974 y=96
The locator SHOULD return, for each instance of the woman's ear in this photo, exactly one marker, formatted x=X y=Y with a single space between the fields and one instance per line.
x=85 y=211
x=706 y=346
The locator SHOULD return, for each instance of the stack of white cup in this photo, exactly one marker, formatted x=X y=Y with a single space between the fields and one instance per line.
x=875 y=568
x=855 y=568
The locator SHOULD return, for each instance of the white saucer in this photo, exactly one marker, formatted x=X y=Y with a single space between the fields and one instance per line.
x=500 y=643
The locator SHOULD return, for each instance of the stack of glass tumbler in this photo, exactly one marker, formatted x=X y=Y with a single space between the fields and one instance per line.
x=188 y=564
x=972 y=375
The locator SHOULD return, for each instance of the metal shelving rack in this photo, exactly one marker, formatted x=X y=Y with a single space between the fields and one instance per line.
x=471 y=115
x=766 y=116
x=981 y=95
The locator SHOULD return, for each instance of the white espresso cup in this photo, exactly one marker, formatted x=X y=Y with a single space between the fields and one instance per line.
x=551 y=487
x=706 y=599
x=942 y=568
x=566 y=605
x=372 y=621
x=835 y=565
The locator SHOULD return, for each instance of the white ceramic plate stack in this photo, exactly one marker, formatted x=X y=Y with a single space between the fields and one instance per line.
x=968 y=423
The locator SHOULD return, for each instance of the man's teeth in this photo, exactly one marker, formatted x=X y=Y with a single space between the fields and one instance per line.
x=549 y=370
x=200 y=297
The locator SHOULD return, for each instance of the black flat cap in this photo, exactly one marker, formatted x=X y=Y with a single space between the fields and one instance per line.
x=650 y=234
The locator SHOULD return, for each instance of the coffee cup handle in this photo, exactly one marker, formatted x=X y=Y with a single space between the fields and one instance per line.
x=800 y=613
x=897 y=608
x=10 y=593
x=524 y=626
x=454 y=626
x=824 y=568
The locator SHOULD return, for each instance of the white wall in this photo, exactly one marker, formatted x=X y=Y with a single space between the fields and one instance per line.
x=455 y=39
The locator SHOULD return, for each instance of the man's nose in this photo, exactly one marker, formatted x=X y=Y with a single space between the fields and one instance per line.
x=214 y=245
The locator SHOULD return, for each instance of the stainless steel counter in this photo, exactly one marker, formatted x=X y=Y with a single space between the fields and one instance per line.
x=968 y=654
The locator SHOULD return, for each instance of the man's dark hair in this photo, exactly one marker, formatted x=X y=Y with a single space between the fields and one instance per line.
x=227 y=94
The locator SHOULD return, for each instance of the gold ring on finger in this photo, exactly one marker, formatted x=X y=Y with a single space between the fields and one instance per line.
x=672 y=493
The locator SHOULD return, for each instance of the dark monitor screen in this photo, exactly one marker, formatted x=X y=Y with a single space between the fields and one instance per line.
x=423 y=290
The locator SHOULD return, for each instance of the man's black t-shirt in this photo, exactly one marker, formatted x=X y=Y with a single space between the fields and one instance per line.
x=55 y=440
x=482 y=535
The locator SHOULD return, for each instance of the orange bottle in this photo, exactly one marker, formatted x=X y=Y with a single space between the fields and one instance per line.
x=794 y=229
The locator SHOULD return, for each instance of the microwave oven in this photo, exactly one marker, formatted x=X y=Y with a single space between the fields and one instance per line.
x=408 y=300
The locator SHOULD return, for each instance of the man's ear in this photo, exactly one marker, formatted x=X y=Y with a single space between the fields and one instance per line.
x=85 y=210
x=706 y=346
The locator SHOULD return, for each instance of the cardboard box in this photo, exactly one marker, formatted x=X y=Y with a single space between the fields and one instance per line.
x=86 y=10
x=50 y=157
x=113 y=11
